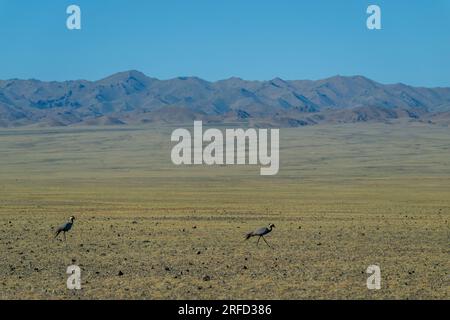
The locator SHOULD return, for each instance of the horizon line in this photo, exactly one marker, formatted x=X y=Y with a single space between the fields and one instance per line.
x=225 y=79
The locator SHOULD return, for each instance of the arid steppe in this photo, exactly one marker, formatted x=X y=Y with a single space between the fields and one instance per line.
x=347 y=196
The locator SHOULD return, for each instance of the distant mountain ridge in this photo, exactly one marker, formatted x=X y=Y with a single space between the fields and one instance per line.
x=133 y=98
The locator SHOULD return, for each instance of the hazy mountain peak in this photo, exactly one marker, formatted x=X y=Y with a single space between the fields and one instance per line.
x=234 y=79
x=126 y=75
x=278 y=82
x=191 y=79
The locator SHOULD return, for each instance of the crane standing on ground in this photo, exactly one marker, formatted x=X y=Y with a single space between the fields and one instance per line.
x=261 y=232
x=65 y=227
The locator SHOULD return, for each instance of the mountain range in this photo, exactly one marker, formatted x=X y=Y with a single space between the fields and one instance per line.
x=133 y=98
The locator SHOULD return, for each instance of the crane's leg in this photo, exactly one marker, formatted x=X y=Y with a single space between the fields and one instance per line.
x=257 y=242
x=65 y=237
x=266 y=242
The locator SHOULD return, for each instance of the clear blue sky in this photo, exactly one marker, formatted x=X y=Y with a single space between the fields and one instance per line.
x=217 y=39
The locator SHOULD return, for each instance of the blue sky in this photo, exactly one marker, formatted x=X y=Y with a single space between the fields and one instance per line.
x=217 y=39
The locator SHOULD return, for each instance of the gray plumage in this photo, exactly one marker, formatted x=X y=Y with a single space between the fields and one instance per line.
x=65 y=227
x=260 y=233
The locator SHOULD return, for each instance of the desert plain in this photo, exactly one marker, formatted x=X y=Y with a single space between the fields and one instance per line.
x=346 y=197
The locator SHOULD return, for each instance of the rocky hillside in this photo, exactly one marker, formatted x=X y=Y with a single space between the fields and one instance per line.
x=133 y=98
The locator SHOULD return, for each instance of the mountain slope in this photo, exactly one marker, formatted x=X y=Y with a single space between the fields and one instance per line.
x=133 y=98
